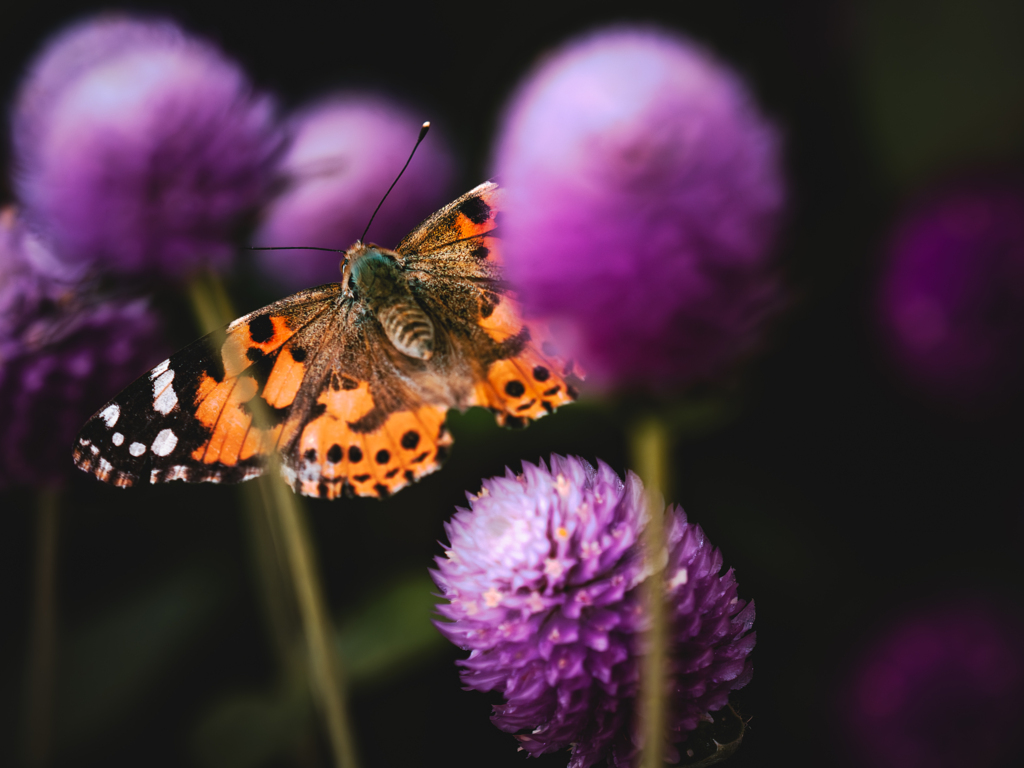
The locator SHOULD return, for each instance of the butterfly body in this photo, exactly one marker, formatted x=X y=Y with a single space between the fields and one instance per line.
x=349 y=383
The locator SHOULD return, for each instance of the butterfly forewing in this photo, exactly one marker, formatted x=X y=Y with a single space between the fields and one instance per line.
x=191 y=417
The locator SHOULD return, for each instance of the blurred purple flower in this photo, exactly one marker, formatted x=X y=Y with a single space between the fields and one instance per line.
x=644 y=192
x=941 y=688
x=62 y=352
x=951 y=299
x=543 y=579
x=140 y=147
x=345 y=151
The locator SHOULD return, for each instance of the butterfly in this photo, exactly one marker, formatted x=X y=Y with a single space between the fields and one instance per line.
x=349 y=383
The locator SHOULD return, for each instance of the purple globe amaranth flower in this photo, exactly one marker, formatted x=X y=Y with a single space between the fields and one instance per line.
x=644 y=192
x=951 y=296
x=544 y=575
x=63 y=351
x=140 y=147
x=942 y=687
x=345 y=151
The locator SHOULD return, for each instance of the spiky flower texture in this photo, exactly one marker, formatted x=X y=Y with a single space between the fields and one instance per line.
x=543 y=578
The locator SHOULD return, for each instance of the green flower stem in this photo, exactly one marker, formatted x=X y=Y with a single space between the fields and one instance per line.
x=43 y=638
x=649 y=446
x=282 y=537
x=324 y=671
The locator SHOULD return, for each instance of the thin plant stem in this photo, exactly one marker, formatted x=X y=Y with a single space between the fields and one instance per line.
x=282 y=548
x=325 y=672
x=43 y=634
x=649 y=445
x=271 y=569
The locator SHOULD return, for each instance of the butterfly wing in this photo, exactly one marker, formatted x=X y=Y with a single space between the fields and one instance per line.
x=453 y=260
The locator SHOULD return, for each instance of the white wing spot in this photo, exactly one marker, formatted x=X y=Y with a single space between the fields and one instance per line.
x=117 y=438
x=164 y=396
x=110 y=414
x=136 y=449
x=164 y=442
x=159 y=369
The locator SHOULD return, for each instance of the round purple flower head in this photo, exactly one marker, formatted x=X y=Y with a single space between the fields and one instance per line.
x=345 y=151
x=63 y=351
x=140 y=147
x=644 y=192
x=944 y=687
x=543 y=576
x=951 y=299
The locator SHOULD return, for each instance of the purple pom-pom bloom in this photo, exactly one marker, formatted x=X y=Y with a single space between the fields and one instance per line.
x=544 y=575
x=345 y=151
x=140 y=147
x=943 y=687
x=644 y=192
x=62 y=352
x=951 y=301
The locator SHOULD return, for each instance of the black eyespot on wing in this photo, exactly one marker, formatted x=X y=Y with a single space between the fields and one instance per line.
x=214 y=366
x=383 y=456
x=261 y=329
x=334 y=454
x=355 y=454
x=298 y=354
x=255 y=354
x=410 y=440
x=540 y=373
x=481 y=252
x=515 y=388
x=475 y=209
x=310 y=454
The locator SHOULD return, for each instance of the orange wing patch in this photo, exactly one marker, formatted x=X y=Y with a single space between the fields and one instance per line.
x=525 y=387
x=228 y=407
x=337 y=452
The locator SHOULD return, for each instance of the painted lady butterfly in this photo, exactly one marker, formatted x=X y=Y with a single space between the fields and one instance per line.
x=349 y=382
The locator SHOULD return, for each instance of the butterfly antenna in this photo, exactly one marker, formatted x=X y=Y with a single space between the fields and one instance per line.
x=294 y=248
x=423 y=133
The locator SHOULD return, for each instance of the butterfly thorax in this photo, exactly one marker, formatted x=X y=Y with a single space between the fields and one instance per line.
x=374 y=277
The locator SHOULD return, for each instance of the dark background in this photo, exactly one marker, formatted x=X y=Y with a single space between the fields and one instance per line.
x=841 y=497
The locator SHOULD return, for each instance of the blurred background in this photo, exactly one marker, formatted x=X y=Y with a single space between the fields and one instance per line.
x=858 y=503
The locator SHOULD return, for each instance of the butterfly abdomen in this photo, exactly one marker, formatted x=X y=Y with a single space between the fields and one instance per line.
x=380 y=283
x=408 y=328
